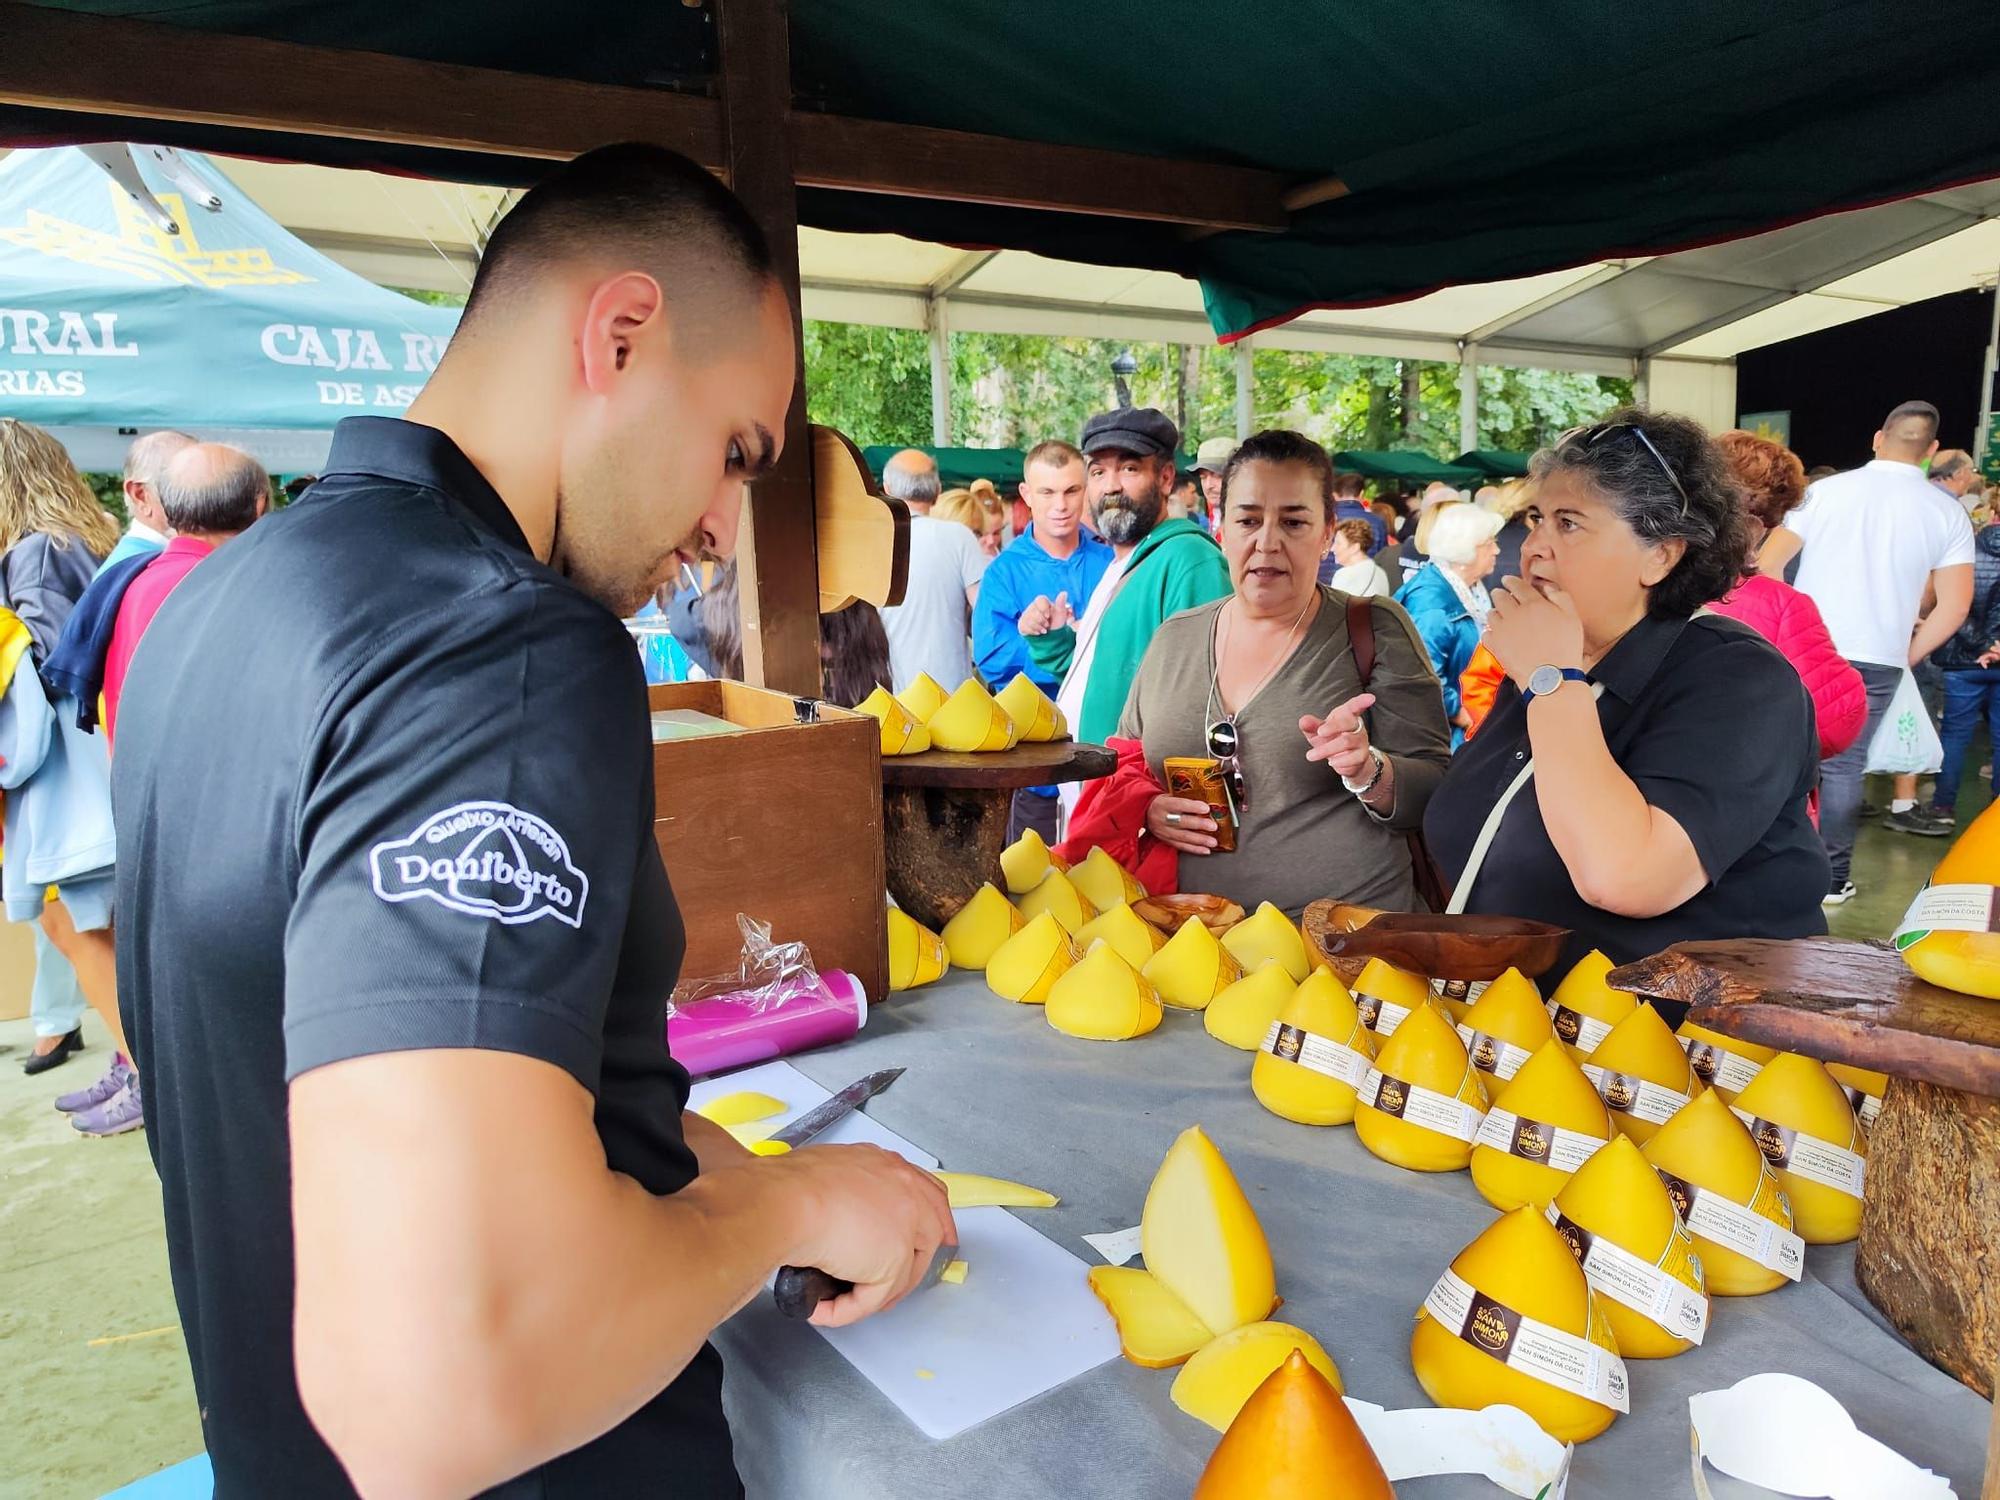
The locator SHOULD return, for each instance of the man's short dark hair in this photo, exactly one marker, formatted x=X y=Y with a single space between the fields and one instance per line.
x=1348 y=486
x=212 y=487
x=1052 y=451
x=641 y=203
x=1921 y=411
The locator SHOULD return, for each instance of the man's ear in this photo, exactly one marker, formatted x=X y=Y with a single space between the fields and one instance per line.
x=617 y=315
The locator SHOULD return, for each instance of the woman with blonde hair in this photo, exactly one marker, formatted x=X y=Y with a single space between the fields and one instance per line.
x=53 y=535
x=979 y=508
x=1508 y=503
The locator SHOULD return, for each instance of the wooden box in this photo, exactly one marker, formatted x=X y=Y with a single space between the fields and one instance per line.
x=782 y=821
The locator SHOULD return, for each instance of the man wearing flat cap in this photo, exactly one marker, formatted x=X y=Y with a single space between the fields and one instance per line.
x=1160 y=566
x=1211 y=462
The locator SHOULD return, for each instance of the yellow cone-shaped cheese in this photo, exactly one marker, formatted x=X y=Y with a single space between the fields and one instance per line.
x=1548 y=1095
x=1384 y=994
x=916 y=954
x=1505 y=1026
x=1725 y=1063
x=902 y=732
x=1584 y=1008
x=1968 y=962
x=981 y=926
x=1213 y=1386
x=1192 y=968
x=1295 y=1075
x=1025 y=861
x=1523 y=1264
x=1425 y=1053
x=1034 y=713
x=1027 y=965
x=1243 y=1012
x=1103 y=999
x=1708 y=1147
x=1294 y=1439
x=1155 y=1328
x=1058 y=895
x=1201 y=1238
x=1864 y=1088
x=971 y=721
x=1640 y=1049
x=1267 y=933
x=1136 y=939
x=922 y=698
x=1106 y=882
x=1617 y=1196
x=1797 y=1094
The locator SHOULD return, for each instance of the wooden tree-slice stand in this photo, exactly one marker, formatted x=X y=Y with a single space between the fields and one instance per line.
x=944 y=817
x=1929 y=1253
x=1469 y=947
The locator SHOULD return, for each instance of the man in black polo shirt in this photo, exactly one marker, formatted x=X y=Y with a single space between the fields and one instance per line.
x=395 y=938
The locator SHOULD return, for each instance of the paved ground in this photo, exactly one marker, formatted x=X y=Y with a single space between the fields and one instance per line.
x=96 y=1391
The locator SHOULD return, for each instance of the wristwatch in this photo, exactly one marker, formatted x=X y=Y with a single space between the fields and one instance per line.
x=1363 y=788
x=1545 y=680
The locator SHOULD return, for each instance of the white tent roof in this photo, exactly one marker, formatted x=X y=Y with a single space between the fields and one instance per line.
x=1705 y=304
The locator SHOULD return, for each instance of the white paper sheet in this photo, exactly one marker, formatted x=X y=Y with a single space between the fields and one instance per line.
x=1116 y=1245
x=1788 y=1435
x=1501 y=1442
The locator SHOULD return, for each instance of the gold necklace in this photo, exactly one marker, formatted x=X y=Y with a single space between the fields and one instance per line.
x=1284 y=654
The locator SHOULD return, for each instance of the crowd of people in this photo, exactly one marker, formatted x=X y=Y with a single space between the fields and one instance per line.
x=76 y=599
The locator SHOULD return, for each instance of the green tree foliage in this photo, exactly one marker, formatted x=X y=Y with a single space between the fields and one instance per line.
x=1012 y=390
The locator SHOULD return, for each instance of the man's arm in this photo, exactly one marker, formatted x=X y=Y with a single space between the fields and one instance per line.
x=1780 y=547
x=478 y=1293
x=714 y=1148
x=1953 y=586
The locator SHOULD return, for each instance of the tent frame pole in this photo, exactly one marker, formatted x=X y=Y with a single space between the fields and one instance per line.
x=1246 y=389
x=1988 y=367
x=937 y=324
x=1468 y=396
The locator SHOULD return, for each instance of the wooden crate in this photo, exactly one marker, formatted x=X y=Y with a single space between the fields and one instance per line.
x=782 y=821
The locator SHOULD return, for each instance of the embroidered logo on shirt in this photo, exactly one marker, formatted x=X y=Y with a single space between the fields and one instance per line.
x=486 y=859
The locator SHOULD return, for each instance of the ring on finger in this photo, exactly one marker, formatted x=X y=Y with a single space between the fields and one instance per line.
x=1174 y=819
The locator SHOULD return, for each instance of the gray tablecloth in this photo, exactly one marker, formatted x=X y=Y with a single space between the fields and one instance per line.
x=992 y=1088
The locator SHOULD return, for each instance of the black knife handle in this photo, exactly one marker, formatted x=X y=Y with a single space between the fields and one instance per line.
x=800 y=1289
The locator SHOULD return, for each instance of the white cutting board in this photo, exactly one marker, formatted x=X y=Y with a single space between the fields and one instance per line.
x=1023 y=1321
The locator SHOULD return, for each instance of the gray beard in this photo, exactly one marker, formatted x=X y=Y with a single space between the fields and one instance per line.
x=1122 y=524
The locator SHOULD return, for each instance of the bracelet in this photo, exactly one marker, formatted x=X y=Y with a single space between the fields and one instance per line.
x=1362 y=789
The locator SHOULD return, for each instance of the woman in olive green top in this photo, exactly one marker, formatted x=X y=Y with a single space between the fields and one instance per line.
x=1269 y=674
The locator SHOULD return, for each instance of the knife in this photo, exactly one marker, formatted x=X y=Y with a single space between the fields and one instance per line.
x=800 y=1289
x=825 y=1116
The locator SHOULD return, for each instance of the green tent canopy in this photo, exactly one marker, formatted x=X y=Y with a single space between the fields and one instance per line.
x=1495 y=463
x=1621 y=131
x=957 y=467
x=1404 y=468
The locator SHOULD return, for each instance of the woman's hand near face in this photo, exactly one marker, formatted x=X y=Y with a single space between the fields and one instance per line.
x=1192 y=833
x=1341 y=738
x=1532 y=628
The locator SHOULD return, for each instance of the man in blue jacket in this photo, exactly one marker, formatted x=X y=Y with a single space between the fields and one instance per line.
x=1056 y=558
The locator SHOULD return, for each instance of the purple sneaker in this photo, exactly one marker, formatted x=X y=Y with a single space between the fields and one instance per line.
x=110 y=1085
x=116 y=1115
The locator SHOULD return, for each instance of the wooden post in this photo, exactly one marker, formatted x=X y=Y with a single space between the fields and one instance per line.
x=778 y=556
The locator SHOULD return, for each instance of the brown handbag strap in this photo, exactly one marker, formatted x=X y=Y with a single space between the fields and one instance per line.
x=1361 y=638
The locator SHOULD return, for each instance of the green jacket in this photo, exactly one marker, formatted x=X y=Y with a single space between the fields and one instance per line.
x=1178 y=566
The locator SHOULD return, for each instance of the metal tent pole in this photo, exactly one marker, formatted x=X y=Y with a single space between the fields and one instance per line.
x=1987 y=370
x=1468 y=397
x=1246 y=391
x=938 y=322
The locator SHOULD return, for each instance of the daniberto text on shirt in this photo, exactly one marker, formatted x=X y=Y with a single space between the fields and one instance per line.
x=485 y=859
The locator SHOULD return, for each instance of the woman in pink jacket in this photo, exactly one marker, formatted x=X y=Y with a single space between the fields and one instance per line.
x=1773 y=482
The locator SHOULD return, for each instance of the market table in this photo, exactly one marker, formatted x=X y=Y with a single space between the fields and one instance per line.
x=945 y=814
x=991 y=1088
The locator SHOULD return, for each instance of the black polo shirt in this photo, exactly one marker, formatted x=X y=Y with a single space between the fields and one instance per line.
x=384 y=782
x=1717 y=730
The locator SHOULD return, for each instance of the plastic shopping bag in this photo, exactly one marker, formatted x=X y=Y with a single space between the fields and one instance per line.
x=1906 y=742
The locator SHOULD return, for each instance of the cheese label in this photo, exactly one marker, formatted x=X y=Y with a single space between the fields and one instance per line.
x=1536 y=1140
x=1949 y=908
x=1561 y=1359
x=1576 y=1029
x=1444 y=1113
x=1378 y=1015
x=1321 y=1054
x=1490 y=1054
x=1654 y=1291
x=1806 y=1156
x=1719 y=1066
x=1631 y=1095
x=1749 y=1231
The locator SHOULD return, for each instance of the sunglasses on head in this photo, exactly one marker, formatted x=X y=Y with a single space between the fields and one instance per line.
x=1590 y=437
x=1225 y=746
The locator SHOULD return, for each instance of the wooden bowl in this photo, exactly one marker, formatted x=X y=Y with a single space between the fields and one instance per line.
x=1171 y=913
x=1469 y=947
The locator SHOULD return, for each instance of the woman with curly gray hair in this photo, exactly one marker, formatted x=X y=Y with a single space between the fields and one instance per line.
x=1642 y=779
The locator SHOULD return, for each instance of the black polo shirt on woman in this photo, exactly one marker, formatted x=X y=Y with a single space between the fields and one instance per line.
x=1717 y=730
x=384 y=782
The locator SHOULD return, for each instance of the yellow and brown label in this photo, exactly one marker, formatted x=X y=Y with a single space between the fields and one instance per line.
x=1670 y=1290
x=1632 y=1095
x=1584 y=1366
x=1577 y=1030
x=1490 y=1054
x=1760 y=1230
x=1536 y=1140
x=1320 y=1054
x=1445 y=1113
x=1200 y=780
x=1866 y=1105
x=1719 y=1066
x=1380 y=1016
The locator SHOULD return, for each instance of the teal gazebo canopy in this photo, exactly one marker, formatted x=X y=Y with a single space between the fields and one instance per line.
x=1404 y=468
x=1495 y=463
x=108 y=318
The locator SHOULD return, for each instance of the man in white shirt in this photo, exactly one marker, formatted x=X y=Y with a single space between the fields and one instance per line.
x=1872 y=539
x=929 y=631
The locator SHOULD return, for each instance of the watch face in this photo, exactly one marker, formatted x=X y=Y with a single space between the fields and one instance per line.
x=1544 y=680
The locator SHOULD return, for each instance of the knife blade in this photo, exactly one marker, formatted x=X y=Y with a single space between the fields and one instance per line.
x=824 y=1116
x=800 y=1289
